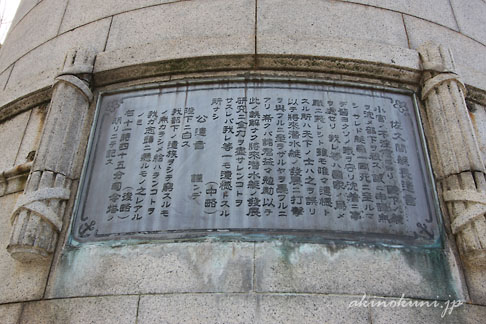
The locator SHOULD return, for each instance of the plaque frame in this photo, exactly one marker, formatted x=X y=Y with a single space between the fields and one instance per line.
x=258 y=235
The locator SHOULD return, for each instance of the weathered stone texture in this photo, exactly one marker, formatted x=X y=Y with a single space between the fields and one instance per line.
x=264 y=308
x=457 y=160
x=38 y=215
x=145 y=31
x=337 y=47
x=309 y=309
x=32 y=31
x=20 y=282
x=477 y=285
x=471 y=17
x=438 y=11
x=13 y=180
x=4 y=77
x=108 y=73
x=38 y=68
x=322 y=22
x=478 y=118
x=464 y=314
x=201 y=308
x=214 y=282
x=82 y=12
x=315 y=268
x=468 y=54
x=154 y=268
x=102 y=310
x=10 y=313
x=216 y=27
x=24 y=7
x=23 y=134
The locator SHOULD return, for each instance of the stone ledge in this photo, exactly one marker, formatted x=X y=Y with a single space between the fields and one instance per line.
x=25 y=102
x=13 y=180
x=437 y=11
x=274 y=62
x=184 y=65
x=334 y=66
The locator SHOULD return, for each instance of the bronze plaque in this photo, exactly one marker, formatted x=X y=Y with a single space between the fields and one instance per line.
x=256 y=157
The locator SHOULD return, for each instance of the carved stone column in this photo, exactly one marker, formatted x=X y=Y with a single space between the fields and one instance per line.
x=37 y=216
x=456 y=157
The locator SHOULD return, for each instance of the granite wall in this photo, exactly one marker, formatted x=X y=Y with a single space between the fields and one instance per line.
x=213 y=281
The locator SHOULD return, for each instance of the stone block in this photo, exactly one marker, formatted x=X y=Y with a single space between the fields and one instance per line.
x=469 y=314
x=318 y=268
x=438 y=11
x=153 y=268
x=216 y=27
x=200 y=308
x=10 y=313
x=103 y=310
x=20 y=282
x=471 y=17
x=32 y=31
x=32 y=135
x=24 y=7
x=4 y=78
x=83 y=12
x=249 y=308
x=38 y=68
x=468 y=54
x=294 y=27
x=13 y=130
x=427 y=311
x=309 y=309
x=474 y=78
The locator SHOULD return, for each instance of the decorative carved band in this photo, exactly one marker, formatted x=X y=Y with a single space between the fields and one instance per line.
x=78 y=84
x=433 y=83
x=38 y=203
x=470 y=214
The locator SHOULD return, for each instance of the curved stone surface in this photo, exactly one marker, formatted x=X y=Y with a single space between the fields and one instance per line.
x=145 y=31
x=151 y=41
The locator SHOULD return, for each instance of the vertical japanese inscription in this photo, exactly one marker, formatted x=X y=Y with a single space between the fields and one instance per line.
x=256 y=156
